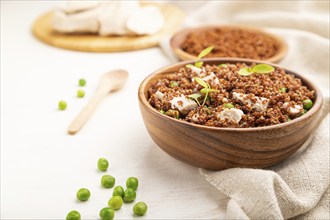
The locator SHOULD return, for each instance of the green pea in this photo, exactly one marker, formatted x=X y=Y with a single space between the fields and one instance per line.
x=118 y=191
x=129 y=195
x=83 y=194
x=140 y=209
x=80 y=93
x=107 y=213
x=73 y=215
x=228 y=105
x=162 y=111
x=283 y=89
x=174 y=84
x=62 y=105
x=173 y=113
x=115 y=202
x=132 y=183
x=102 y=164
x=307 y=104
x=82 y=82
x=108 y=181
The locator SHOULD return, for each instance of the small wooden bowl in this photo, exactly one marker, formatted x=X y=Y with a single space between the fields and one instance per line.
x=177 y=40
x=221 y=148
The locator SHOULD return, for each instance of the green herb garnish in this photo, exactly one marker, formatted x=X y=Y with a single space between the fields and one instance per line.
x=228 y=105
x=283 y=89
x=202 y=54
x=207 y=88
x=259 y=68
x=195 y=97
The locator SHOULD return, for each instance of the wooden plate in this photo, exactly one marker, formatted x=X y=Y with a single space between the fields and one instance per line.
x=179 y=38
x=42 y=29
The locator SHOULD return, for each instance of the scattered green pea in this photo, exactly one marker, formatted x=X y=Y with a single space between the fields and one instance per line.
x=80 y=93
x=62 y=105
x=305 y=111
x=283 y=89
x=115 y=202
x=228 y=105
x=73 y=215
x=83 y=194
x=108 y=181
x=107 y=213
x=132 y=182
x=82 y=82
x=140 y=209
x=307 y=104
x=102 y=164
x=118 y=191
x=129 y=195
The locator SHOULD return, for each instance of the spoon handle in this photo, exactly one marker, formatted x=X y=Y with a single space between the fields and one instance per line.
x=87 y=111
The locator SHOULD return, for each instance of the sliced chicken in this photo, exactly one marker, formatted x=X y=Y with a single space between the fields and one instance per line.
x=145 y=20
x=78 y=6
x=83 y=22
x=113 y=17
x=108 y=18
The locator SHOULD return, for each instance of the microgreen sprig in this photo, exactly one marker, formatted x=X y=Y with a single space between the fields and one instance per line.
x=198 y=62
x=259 y=68
x=195 y=97
x=206 y=90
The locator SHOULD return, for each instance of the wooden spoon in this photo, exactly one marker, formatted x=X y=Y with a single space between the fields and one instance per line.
x=110 y=82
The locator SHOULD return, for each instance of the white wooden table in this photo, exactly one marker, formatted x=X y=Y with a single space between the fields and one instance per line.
x=42 y=166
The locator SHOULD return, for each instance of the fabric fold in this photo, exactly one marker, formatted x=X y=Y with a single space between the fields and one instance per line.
x=284 y=191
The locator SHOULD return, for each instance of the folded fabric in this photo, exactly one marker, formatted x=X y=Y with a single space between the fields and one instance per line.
x=284 y=191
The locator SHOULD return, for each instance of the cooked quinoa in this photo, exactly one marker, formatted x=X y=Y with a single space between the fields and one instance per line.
x=231 y=42
x=236 y=101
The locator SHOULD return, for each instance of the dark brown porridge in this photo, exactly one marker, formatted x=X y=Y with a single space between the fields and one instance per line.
x=231 y=42
x=231 y=95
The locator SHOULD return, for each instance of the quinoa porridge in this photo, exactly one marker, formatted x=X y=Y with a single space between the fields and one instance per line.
x=226 y=95
x=231 y=42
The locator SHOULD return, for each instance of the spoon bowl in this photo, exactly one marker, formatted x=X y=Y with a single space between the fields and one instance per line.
x=110 y=82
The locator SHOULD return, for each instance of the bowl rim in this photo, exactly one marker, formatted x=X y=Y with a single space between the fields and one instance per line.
x=175 y=44
x=316 y=105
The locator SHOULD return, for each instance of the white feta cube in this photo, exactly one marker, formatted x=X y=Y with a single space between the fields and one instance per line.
x=159 y=95
x=183 y=104
x=211 y=78
x=261 y=103
x=233 y=114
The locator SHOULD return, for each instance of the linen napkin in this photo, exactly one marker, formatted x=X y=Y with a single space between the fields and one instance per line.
x=299 y=186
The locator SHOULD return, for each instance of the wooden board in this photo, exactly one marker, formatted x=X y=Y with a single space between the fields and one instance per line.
x=42 y=29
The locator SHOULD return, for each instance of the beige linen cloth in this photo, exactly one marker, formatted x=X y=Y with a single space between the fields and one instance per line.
x=299 y=186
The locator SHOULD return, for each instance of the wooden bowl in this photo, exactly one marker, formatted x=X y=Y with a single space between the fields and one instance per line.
x=177 y=40
x=221 y=148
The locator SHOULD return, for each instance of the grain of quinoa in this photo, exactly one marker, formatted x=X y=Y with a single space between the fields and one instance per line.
x=258 y=100
x=231 y=42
